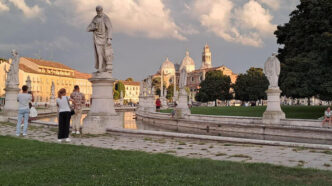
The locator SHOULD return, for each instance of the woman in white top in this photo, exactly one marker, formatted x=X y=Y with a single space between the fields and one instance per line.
x=64 y=115
x=327 y=116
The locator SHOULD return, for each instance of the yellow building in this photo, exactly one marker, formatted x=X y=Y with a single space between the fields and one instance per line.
x=42 y=73
x=132 y=91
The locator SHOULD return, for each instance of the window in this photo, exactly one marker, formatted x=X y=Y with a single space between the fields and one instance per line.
x=192 y=79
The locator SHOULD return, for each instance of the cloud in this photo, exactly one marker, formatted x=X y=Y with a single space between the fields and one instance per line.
x=29 y=12
x=274 y=4
x=245 y=25
x=3 y=7
x=149 y=18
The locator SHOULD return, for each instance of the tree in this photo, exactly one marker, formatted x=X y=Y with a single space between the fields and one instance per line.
x=306 y=56
x=215 y=86
x=251 y=86
x=129 y=79
x=119 y=87
x=156 y=82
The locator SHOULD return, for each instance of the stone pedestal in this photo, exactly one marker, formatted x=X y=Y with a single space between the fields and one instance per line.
x=163 y=101
x=273 y=112
x=102 y=114
x=150 y=105
x=182 y=108
x=11 y=105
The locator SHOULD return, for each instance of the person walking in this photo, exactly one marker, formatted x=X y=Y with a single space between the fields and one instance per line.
x=64 y=115
x=79 y=102
x=158 y=105
x=23 y=99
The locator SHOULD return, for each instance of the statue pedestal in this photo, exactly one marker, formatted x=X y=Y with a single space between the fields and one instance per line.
x=182 y=107
x=163 y=101
x=273 y=112
x=150 y=104
x=11 y=105
x=102 y=114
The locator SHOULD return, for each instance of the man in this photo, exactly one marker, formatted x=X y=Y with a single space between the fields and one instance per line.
x=79 y=102
x=23 y=110
x=102 y=35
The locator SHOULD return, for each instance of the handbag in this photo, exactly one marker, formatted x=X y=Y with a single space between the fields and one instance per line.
x=72 y=111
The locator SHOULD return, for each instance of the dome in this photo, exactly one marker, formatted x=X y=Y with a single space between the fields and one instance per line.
x=188 y=62
x=167 y=65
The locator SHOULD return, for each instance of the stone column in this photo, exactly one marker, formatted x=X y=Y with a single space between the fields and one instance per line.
x=102 y=114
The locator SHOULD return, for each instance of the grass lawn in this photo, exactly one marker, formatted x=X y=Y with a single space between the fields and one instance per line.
x=300 y=112
x=27 y=162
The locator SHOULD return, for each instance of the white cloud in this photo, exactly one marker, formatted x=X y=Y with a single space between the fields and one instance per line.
x=149 y=18
x=253 y=16
x=274 y=4
x=245 y=25
x=29 y=12
x=3 y=7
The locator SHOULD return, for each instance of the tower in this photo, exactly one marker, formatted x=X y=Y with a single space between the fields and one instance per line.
x=206 y=57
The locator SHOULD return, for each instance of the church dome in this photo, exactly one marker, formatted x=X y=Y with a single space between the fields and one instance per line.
x=167 y=67
x=188 y=62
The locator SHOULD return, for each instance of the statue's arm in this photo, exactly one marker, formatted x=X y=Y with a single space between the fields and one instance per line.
x=91 y=27
x=278 y=67
x=109 y=28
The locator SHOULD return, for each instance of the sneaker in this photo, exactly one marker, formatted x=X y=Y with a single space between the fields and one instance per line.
x=73 y=132
x=24 y=134
x=59 y=140
x=68 y=140
x=78 y=132
x=17 y=135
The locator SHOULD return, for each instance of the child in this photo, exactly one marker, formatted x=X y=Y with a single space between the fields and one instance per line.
x=327 y=116
x=33 y=113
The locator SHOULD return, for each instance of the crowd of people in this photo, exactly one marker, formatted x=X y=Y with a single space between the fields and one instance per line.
x=66 y=111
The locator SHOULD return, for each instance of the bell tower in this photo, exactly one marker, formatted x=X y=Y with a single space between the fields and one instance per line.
x=206 y=57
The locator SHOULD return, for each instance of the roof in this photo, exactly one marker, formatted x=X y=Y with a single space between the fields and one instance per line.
x=47 y=63
x=134 y=83
x=28 y=69
x=81 y=75
x=167 y=64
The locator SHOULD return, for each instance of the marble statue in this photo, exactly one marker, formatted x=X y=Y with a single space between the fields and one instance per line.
x=272 y=70
x=102 y=35
x=183 y=78
x=12 y=75
x=162 y=84
x=52 y=90
x=28 y=83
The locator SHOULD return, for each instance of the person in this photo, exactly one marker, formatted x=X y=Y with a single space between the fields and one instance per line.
x=33 y=113
x=327 y=116
x=64 y=115
x=23 y=99
x=158 y=104
x=79 y=101
x=174 y=110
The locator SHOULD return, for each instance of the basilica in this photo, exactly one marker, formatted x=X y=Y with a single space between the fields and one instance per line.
x=170 y=72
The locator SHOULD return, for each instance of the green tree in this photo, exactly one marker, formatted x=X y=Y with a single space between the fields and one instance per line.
x=215 y=86
x=306 y=55
x=119 y=86
x=156 y=82
x=251 y=86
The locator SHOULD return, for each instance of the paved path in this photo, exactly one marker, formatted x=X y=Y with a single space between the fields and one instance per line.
x=286 y=156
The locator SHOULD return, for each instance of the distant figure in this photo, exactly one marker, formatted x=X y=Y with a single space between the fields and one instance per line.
x=64 y=115
x=23 y=110
x=174 y=110
x=79 y=101
x=327 y=116
x=158 y=104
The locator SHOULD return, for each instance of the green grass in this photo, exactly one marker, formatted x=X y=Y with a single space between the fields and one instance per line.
x=27 y=162
x=299 y=112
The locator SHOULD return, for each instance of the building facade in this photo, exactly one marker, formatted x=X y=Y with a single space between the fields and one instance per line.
x=132 y=91
x=42 y=73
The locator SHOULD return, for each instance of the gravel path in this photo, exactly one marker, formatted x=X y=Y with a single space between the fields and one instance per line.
x=286 y=156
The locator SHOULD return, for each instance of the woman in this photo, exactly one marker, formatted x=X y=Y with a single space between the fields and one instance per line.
x=327 y=116
x=158 y=104
x=64 y=115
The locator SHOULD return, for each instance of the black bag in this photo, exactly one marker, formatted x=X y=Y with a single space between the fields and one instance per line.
x=72 y=111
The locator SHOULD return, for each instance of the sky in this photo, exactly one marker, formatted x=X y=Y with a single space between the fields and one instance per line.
x=145 y=32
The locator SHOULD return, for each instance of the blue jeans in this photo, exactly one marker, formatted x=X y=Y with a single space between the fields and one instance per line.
x=22 y=113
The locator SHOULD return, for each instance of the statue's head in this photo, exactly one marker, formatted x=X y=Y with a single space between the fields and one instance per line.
x=14 y=52
x=99 y=10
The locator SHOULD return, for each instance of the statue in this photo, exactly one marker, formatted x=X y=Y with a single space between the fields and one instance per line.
x=102 y=35
x=272 y=71
x=52 y=90
x=12 y=80
x=183 y=78
x=28 y=83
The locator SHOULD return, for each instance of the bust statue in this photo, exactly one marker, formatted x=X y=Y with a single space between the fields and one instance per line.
x=272 y=71
x=102 y=35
